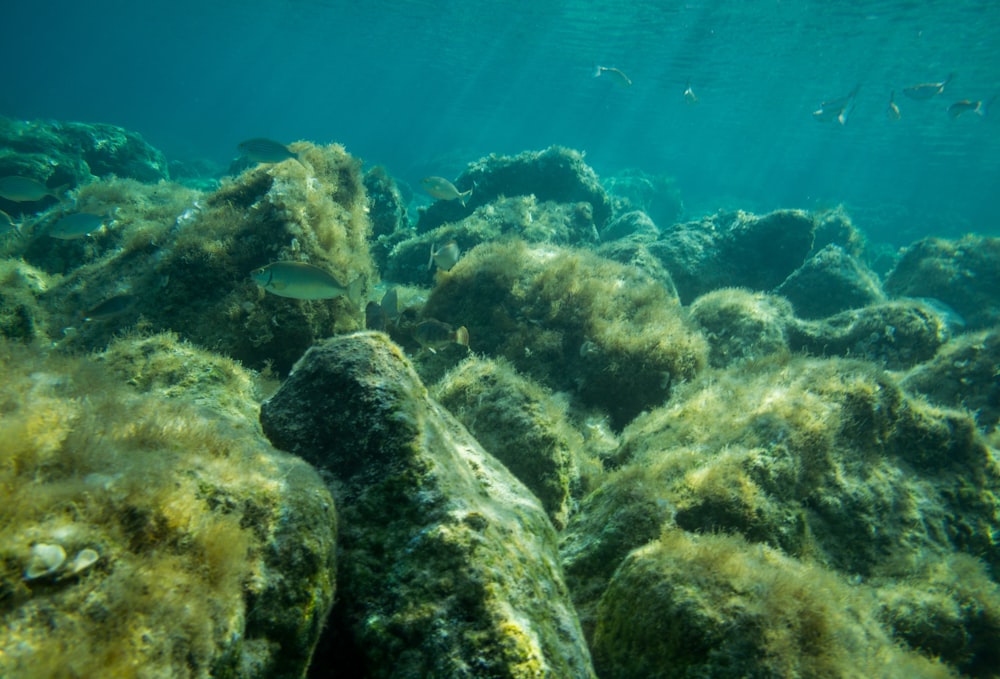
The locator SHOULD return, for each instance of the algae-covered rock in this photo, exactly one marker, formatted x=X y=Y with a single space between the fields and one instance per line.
x=742 y=325
x=735 y=250
x=448 y=564
x=576 y=322
x=521 y=424
x=175 y=260
x=718 y=606
x=555 y=174
x=631 y=224
x=21 y=316
x=519 y=216
x=897 y=334
x=192 y=547
x=965 y=373
x=963 y=273
x=64 y=155
x=824 y=459
x=829 y=282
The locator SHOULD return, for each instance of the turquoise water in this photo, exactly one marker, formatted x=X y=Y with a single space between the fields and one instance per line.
x=424 y=87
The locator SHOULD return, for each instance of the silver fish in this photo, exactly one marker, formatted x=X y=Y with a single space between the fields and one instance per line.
x=299 y=280
x=618 y=75
x=445 y=256
x=261 y=150
x=28 y=190
x=837 y=109
x=442 y=189
x=927 y=90
x=75 y=225
x=892 y=111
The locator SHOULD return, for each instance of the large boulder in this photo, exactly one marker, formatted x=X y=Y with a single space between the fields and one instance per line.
x=448 y=564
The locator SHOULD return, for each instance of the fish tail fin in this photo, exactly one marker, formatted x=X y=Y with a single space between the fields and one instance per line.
x=354 y=291
x=430 y=260
x=462 y=336
x=464 y=196
x=597 y=71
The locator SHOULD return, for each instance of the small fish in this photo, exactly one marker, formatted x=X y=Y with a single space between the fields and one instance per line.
x=927 y=90
x=442 y=189
x=261 y=150
x=375 y=317
x=689 y=96
x=618 y=74
x=892 y=111
x=837 y=109
x=964 y=106
x=109 y=308
x=433 y=334
x=28 y=190
x=445 y=256
x=390 y=304
x=75 y=225
x=299 y=280
x=7 y=224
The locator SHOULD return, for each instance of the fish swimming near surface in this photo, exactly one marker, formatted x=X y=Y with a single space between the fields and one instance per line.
x=837 y=109
x=980 y=108
x=617 y=74
x=444 y=257
x=261 y=150
x=689 y=96
x=75 y=225
x=299 y=280
x=27 y=190
x=927 y=90
x=892 y=111
x=433 y=334
x=442 y=189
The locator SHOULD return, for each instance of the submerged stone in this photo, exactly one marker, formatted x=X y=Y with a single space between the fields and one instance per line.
x=449 y=565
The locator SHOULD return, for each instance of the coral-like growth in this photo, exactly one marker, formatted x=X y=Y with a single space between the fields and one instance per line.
x=182 y=531
x=574 y=321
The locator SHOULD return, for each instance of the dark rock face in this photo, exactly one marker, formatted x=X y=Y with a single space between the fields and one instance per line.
x=735 y=250
x=829 y=282
x=448 y=565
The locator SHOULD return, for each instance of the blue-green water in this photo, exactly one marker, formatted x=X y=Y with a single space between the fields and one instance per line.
x=424 y=86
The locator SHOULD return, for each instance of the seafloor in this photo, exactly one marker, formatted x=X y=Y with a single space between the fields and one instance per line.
x=610 y=440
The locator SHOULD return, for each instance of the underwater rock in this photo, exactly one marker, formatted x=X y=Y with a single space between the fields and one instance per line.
x=963 y=374
x=829 y=282
x=521 y=424
x=635 y=224
x=897 y=334
x=520 y=216
x=198 y=548
x=71 y=154
x=835 y=227
x=22 y=318
x=448 y=564
x=655 y=195
x=742 y=325
x=825 y=459
x=718 y=606
x=185 y=262
x=555 y=174
x=963 y=273
x=604 y=332
x=735 y=250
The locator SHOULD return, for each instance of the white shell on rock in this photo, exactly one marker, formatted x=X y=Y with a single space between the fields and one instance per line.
x=84 y=559
x=45 y=560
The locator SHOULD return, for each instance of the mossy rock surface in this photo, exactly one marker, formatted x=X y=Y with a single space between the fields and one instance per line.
x=448 y=564
x=574 y=321
x=215 y=552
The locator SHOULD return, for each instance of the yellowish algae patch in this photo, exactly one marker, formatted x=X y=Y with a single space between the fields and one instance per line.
x=181 y=506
